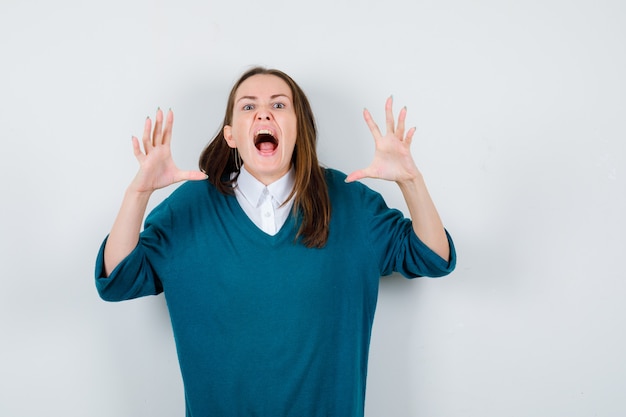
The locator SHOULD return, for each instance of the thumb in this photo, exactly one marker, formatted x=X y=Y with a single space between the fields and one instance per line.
x=193 y=175
x=356 y=175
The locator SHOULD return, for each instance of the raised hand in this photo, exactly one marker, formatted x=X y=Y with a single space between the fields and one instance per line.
x=392 y=159
x=393 y=162
x=156 y=170
x=156 y=166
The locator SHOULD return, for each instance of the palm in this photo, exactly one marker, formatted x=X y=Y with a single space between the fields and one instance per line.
x=392 y=158
x=156 y=166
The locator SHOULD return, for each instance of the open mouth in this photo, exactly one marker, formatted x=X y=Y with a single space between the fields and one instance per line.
x=265 y=141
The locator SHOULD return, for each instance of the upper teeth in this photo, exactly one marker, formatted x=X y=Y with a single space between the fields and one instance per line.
x=264 y=132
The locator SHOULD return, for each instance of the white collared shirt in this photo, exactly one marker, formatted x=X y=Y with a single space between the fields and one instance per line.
x=262 y=203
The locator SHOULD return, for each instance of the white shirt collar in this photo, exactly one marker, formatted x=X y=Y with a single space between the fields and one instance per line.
x=253 y=189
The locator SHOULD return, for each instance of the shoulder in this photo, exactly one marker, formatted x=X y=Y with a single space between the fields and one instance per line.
x=354 y=199
x=334 y=176
x=191 y=194
x=190 y=200
x=339 y=188
x=193 y=190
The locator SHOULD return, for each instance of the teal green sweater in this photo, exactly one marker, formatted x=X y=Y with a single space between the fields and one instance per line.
x=265 y=326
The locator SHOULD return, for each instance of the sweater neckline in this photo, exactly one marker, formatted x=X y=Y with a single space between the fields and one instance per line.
x=242 y=221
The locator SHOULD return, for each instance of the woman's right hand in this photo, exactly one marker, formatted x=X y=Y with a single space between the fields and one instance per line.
x=156 y=166
x=156 y=170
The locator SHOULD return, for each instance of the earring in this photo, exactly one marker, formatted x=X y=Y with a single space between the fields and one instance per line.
x=237 y=160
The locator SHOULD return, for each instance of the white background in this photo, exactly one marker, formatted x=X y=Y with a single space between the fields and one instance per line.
x=520 y=108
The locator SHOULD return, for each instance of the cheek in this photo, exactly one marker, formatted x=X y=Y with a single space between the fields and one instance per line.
x=290 y=148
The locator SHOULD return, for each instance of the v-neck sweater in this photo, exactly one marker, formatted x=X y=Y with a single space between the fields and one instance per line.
x=265 y=326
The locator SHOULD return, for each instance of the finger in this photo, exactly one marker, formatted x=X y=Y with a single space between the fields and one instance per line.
x=400 y=127
x=136 y=148
x=157 y=134
x=371 y=124
x=359 y=174
x=167 y=129
x=193 y=175
x=389 y=115
x=409 y=135
x=146 y=138
x=356 y=175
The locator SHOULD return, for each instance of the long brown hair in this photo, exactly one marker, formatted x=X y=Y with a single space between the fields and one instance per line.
x=311 y=200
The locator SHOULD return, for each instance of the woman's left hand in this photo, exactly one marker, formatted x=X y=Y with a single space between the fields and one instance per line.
x=392 y=159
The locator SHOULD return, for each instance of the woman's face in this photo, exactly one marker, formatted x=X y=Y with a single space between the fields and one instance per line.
x=264 y=126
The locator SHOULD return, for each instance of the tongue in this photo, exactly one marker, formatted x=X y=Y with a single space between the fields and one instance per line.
x=266 y=146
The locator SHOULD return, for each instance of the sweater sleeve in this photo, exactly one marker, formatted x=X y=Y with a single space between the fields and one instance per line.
x=398 y=247
x=136 y=276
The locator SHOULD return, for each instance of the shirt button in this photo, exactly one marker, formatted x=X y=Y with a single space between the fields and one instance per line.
x=267 y=214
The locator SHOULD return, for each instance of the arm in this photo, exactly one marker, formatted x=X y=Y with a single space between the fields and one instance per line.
x=156 y=170
x=393 y=162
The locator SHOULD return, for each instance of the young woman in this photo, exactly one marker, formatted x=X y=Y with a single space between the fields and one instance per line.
x=270 y=263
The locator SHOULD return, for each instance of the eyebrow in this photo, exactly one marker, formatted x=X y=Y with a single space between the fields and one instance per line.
x=255 y=98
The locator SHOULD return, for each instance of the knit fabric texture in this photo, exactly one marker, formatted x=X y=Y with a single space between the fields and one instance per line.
x=265 y=326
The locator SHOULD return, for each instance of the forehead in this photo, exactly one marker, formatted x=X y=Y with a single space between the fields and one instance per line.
x=263 y=85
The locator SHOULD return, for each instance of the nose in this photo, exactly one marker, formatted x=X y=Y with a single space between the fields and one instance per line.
x=264 y=114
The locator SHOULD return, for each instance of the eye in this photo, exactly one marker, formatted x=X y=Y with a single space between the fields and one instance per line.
x=248 y=107
x=279 y=105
